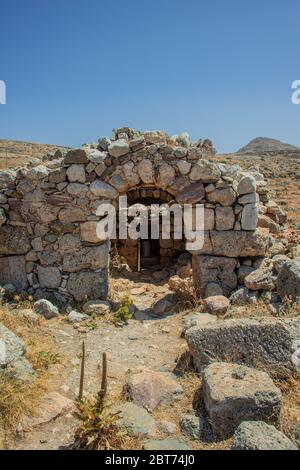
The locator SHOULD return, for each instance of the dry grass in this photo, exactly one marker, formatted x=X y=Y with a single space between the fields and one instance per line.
x=17 y=397
x=290 y=410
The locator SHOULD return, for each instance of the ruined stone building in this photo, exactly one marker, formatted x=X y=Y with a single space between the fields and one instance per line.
x=48 y=219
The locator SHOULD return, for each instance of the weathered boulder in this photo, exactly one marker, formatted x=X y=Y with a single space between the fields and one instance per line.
x=130 y=174
x=166 y=175
x=260 y=279
x=118 y=183
x=224 y=218
x=225 y=196
x=13 y=271
x=217 y=305
x=243 y=296
x=265 y=341
x=266 y=222
x=76 y=173
x=96 y=156
x=88 y=285
x=39 y=172
x=214 y=269
x=278 y=261
x=46 y=309
x=49 y=277
x=234 y=243
x=193 y=193
x=118 y=148
x=76 y=317
x=135 y=420
x=71 y=214
x=77 y=189
x=86 y=258
x=247 y=185
x=52 y=405
x=249 y=217
x=288 y=280
x=88 y=232
x=145 y=171
x=98 y=307
x=103 y=190
x=184 y=167
x=149 y=388
x=257 y=435
x=205 y=171
x=234 y=393
x=75 y=156
x=14 y=240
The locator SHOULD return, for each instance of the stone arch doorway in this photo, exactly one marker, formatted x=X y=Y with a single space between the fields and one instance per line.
x=150 y=252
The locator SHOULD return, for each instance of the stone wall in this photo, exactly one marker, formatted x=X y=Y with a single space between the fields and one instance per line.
x=48 y=242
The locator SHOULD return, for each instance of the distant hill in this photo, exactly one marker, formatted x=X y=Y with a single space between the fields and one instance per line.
x=262 y=145
x=14 y=153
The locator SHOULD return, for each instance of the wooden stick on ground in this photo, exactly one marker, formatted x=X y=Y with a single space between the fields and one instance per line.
x=80 y=395
x=103 y=390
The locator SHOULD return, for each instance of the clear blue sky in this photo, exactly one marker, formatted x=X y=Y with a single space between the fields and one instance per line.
x=75 y=69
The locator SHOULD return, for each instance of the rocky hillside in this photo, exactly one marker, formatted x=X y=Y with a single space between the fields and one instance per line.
x=14 y=153
x=262 y=145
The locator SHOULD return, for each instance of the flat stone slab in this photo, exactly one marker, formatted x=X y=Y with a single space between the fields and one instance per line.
x=265 y=341
x=149 y=388
x=233 y=393
x=135 y=420
x=257 y=435
x=52 y=406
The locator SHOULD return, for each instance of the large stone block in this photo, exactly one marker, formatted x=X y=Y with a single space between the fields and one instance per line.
x=193 y=193
x=249 y=217
x=234 y=393
x=88 y=285
x=75 y=156
x=257 y=435
x=71 y=214
x=145 y=171
x=225 y=196
x=86 y=258
x=103 y=190
x=214 y=269
x=266 y=342
x=205 y=171
x=49 y=277
x=118 y=148
x=13 y=271
x=224 y=218
x=233 y=243
x=14 y=240
x=288 y=280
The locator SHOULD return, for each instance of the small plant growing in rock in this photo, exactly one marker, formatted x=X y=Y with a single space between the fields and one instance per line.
x=124 y=312
x=90 y=325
